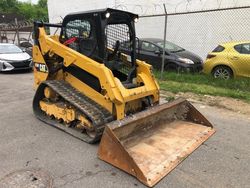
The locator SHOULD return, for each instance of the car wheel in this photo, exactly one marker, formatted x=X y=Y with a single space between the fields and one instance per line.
x=222 y=72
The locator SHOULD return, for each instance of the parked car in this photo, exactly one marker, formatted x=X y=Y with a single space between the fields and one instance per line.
x=177 y=58
x=14 y=58
x=229 y=60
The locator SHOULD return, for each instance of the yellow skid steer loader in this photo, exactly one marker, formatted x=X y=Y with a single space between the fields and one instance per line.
x=88 y=88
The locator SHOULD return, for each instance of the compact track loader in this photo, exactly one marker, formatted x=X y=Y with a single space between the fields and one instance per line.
x=86 y=87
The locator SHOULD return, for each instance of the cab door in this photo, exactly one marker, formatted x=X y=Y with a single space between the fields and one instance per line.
x=241 y=58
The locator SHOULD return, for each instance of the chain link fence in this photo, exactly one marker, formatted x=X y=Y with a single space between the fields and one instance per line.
x=16 y=32
x=200 y=32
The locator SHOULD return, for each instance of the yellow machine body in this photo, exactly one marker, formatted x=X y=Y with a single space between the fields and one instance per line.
x=114 y=94
x=141 y=137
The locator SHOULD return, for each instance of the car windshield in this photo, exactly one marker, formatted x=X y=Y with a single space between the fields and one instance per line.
x=9 y=49
x=170 y=46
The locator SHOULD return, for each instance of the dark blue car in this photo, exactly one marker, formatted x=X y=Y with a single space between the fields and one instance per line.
x=176 y=58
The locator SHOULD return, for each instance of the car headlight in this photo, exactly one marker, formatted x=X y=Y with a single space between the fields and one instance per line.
x=2 y=64
x=5 y=66
x=185 y=60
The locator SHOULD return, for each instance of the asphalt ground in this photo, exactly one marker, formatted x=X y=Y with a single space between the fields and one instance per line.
x=26 y=143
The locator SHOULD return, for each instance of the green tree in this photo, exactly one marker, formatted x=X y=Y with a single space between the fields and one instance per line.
x=42 y=10
x=8 y=6
x=28 y=10
x=42 y=3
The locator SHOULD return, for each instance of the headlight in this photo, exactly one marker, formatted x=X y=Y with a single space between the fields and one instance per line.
x=5 y=66
x=107 y=15
x=2 y=66
x=185 y=60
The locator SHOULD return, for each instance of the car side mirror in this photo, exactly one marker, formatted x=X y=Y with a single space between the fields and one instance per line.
x=24 y=50
x=158 y=52
x=167 y=53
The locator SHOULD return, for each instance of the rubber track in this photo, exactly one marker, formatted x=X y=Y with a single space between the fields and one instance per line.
x=98 y=115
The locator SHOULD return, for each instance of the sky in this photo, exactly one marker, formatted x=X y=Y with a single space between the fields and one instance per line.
x=33 y=1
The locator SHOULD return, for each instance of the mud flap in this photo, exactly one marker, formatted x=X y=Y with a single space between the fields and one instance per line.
x=149 y=144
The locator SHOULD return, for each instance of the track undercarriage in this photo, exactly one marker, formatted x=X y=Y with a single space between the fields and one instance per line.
x=60 y=105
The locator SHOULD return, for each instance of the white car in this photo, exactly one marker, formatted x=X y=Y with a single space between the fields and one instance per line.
x=13 y=58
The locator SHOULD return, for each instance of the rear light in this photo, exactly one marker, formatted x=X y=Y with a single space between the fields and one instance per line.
x=209 y=56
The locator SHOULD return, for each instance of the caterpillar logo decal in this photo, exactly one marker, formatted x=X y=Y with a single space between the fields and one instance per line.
x=41 y=67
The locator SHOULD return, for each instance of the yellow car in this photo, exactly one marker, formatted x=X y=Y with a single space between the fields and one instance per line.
x=229 y=60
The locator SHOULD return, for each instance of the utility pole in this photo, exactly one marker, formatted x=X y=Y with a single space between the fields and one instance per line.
x=164 y=44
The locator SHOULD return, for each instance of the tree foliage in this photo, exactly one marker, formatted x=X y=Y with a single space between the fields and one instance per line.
x=30 y=11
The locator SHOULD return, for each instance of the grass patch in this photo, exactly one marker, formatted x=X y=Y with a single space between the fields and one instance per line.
x=205 y=85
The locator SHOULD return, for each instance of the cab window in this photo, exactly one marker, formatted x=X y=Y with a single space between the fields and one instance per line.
x=77 y=28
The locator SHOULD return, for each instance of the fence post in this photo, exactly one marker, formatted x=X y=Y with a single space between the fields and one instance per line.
x=17 y=32
x=164 y=44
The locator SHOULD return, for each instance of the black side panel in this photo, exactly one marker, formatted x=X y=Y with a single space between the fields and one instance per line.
x=84 y=76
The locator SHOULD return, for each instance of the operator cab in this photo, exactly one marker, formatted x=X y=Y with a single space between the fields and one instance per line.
x=99 y=34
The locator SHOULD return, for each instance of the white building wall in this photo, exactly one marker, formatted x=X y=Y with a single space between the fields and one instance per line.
x=150 y=7
x=58 y=9
x=199 y=33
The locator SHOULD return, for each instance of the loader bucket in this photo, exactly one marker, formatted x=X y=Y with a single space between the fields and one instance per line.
x=149 y=144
